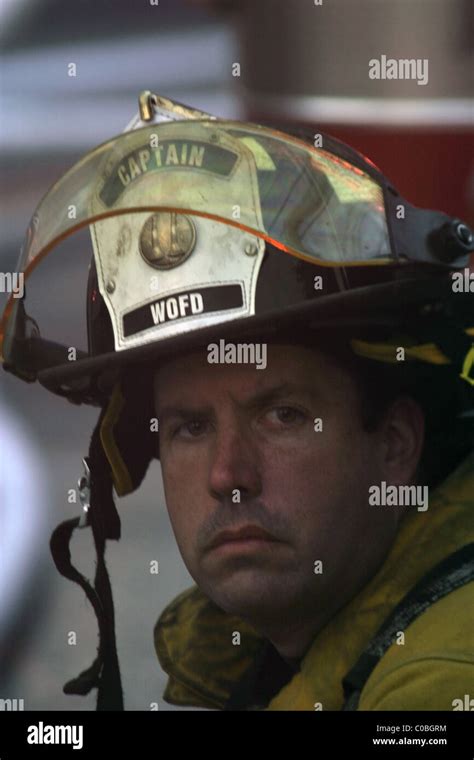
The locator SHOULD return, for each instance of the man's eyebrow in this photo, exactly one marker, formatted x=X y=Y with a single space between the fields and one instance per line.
x=261 y=398
x=182 y=412
x=272 y=394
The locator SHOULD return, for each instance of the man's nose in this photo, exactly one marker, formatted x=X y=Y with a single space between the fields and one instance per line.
x=234 y=463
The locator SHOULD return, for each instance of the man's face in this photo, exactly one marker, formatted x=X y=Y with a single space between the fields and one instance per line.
x=281 y=450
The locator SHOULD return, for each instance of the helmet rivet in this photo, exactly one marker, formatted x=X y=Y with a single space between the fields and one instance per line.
x=250 y=249
x=464 y=233
x=213 y=137
x=110 y=287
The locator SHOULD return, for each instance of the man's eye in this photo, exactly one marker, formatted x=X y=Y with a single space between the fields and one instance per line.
x=286 y=415
x=190 y=429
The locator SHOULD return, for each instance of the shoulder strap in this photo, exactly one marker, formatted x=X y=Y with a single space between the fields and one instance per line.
x=451 y=573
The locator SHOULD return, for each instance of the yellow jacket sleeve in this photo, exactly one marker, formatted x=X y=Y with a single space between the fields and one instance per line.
x=434 y=668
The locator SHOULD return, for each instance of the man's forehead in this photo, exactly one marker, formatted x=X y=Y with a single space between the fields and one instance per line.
x=290 y=369
x=283 y=357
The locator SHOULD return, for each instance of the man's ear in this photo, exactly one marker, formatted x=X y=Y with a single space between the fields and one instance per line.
x=402 y=435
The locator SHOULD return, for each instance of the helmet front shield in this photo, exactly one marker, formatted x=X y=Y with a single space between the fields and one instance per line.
x=178 y=206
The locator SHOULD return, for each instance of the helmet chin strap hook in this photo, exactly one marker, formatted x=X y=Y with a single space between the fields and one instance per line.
x=84 y=487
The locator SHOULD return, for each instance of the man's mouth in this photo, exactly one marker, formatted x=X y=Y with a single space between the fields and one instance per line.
x=249 y=535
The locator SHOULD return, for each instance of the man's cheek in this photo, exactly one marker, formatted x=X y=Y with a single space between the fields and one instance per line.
x=184 y=532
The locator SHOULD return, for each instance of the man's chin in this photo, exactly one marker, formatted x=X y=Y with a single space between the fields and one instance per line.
x=246 y=593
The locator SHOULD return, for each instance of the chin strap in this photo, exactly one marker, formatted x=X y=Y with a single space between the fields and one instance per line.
x=122 y=446
x=101 y=515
